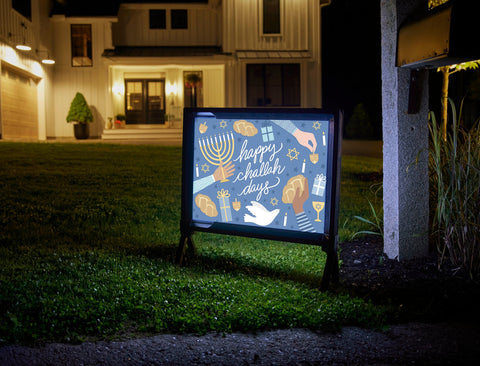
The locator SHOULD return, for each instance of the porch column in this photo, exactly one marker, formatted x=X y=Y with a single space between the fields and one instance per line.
x=405 y=183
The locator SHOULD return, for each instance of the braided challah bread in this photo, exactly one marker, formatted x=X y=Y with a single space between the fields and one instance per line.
x=206 y=205
x=245 y=128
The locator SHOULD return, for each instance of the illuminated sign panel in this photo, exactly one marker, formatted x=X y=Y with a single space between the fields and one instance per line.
x=261 y=172
x=268 y=173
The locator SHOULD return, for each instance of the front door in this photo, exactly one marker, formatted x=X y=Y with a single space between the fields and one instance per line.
x=145 y=101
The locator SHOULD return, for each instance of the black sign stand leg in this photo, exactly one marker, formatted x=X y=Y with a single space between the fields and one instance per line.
x=185 y=247
x=331 y=272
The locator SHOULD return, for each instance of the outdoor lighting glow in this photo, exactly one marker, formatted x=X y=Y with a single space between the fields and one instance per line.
x=172 y=88
x=37 y=69
x=11 y=56
x=48 y=61
x=118 y=88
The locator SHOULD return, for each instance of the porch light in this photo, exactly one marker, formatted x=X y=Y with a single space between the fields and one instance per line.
x=22 y=45
x=45 y=60
x=48 y=61
x=118 y=88
x=172 y=88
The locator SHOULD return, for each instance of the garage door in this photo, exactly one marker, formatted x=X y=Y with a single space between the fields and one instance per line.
x=19 y=119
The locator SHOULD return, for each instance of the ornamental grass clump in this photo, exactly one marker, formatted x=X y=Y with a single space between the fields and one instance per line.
x=455 y=185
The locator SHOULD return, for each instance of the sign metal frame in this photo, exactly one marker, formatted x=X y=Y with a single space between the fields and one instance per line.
x=328 y=240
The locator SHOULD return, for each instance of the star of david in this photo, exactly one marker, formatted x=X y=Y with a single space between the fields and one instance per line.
x=317 y=125
x=205 y=168
x=293 y=154
x=274 y=201
x=223 y=124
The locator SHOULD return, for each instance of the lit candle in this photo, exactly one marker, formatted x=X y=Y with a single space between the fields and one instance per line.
x=324 y=141
x=303 y=166
x=285 y=220
x=196 y=168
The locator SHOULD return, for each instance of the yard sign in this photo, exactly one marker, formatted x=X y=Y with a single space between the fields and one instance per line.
x=264 y=173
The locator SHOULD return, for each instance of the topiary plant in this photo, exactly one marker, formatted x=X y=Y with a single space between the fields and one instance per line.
x=79 y=110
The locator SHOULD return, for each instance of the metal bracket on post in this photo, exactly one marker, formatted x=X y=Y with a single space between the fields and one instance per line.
x=415 y=90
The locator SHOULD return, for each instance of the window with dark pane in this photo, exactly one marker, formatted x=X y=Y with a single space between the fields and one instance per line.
x=81 y=42
x=273 y=85
x=179 y=19
x=271 y=16
x=158 y=19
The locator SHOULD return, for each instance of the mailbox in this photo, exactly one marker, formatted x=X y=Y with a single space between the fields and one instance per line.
x=443 y=36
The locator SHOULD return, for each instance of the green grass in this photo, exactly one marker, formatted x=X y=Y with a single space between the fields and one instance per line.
x=87 y=244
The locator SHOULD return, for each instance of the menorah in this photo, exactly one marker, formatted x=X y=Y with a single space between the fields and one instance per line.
x=218 y=151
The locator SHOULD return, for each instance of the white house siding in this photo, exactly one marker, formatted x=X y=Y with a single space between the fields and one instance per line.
x=243 y=26
x=91 y=81
x=234 y=25
x=133 y=28
x=299 y=42
x=36 y=33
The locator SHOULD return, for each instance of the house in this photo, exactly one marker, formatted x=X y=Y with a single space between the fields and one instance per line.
x=147 y=60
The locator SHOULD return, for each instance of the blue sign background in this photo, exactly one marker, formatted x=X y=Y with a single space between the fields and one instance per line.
x=261 y=173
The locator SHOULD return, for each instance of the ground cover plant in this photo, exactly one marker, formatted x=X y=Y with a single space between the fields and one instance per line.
x=87 y=245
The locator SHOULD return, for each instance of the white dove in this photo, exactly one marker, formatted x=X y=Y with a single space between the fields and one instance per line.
x=261 y=216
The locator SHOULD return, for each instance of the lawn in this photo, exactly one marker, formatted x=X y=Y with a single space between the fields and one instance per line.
x=87 y=245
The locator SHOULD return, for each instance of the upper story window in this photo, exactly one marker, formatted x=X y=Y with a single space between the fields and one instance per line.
x=24 y=7
x=81 y=44
x=271 y=17
x=179 y=18
x=158 y=19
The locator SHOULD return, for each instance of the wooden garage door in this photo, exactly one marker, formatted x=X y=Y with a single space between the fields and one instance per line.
x=19 y=105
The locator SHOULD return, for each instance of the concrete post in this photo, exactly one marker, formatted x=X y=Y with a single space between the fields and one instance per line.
x=405 y=136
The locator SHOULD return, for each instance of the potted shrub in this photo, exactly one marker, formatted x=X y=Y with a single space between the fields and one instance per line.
x=81 y=115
